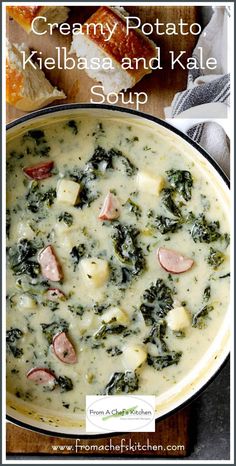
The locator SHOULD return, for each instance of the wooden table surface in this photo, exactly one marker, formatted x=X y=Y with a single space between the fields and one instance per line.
x=160 y=86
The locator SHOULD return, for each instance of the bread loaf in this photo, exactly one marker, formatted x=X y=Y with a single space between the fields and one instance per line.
x=132 y=45
x=27 y=89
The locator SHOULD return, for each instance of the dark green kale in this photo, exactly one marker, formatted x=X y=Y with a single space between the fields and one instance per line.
x=76 y=309
x=108 y=329
x=156 y=336
x=50 y=330
x=126 y=248
x=225 y=238
x=181 y=181
x=205 y=232
x=215 y=258
x=199 y=319
x=65 y=384
x=77 y=252
x=157 y=301
x=99 y=308
x=20 y=259
x=37 y=199
x=133 y=207
x=37 y=143
x=207 y=293
x=100 y=161
x=165 y=357
x=225 y=276
x=167 y=225
x=8 y=222
x=164 y=360
x=114 y=351
x=129 y=166
x=73 y=126
x=122 y=382
x=168 y=201
x=12 y=337
x=66 y=217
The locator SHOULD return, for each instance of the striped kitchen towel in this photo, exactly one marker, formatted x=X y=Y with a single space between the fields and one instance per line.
x=208 y=92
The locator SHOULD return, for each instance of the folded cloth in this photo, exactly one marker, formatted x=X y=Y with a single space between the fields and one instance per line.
x=214 y=140
x=206 y=89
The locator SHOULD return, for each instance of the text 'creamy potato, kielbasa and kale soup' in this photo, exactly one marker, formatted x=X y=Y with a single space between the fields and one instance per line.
x=118 y=262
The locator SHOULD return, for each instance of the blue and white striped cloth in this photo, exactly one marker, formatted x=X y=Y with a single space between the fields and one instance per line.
x=206 y=88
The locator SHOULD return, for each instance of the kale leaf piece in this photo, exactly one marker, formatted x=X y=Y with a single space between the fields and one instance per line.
x=37 y=143
x=37 y=199
x=167 y=224
x=215 y=258
x=181 y=181
x=77 y=252
x=199 y=319
x=8 y=222
x=168 y=201
x=157 y=301
x=207 y=293
x=126 y=248
x=66 y=217
x=156 y=336
x=205 y=232
x=108 y=329
x=165 y=357
x=20 y=258
x=12 y=337
x=73 y=126
x=122 y=382
x=164 y=360
x=65 y=384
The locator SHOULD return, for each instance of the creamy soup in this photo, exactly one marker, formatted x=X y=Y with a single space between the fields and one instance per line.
x=117 y=262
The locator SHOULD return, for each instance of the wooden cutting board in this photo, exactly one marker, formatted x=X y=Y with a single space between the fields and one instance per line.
x=160 y=86
x=171 y=439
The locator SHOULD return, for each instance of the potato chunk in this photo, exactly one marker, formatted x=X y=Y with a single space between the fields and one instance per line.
x=178 y=319
x=134 y=356
x=95 y=271
x=26 y=302
x=68 y=191
x=149 y=183
x=115 y=314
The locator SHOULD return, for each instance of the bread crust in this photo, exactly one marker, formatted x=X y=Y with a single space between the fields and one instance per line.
x=24 y=15
x=132 y=45
x=18 y=80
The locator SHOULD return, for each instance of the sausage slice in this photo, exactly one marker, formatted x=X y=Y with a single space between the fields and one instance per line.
x=50 y=267
x=42 y=376
x=172 y=261
x=63 y=349
x=39 y=171
x=110 y=209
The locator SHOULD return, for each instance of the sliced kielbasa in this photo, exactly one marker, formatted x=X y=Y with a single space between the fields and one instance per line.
x=50 y=267
x=39 y=171
x=110 y=209
x=42 y=376
x=63 y=349
x=173 y=261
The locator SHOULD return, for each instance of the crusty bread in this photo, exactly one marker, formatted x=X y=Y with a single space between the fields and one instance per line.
x=27 y=89
x=24 y=15
x=133 y=45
